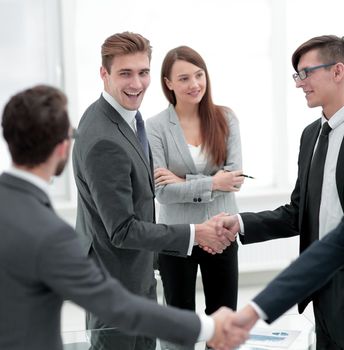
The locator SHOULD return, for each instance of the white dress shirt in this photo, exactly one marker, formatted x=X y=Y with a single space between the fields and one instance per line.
x=29 y=177
x=331 y=211
x=198 y=157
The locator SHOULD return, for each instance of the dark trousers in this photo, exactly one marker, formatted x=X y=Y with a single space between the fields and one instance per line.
x=328 y=305
x=104 y=337
x=219 y=276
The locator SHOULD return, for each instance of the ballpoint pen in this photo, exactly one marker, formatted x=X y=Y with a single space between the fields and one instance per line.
x=248 y=176
x=244 y=175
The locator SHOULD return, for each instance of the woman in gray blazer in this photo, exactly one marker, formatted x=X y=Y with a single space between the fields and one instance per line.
x=197 y=159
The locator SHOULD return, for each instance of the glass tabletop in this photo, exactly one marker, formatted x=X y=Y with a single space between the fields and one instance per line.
x=298 y=328
x=289 y=332
x=95 y=339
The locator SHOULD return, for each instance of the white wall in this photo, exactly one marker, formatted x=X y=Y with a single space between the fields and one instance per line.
x=247 y=45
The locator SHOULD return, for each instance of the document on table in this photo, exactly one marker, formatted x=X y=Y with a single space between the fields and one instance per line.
x=263 y=338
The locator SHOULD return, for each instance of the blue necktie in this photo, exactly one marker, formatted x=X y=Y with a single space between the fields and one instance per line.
x=141 y=133
x=315 y=182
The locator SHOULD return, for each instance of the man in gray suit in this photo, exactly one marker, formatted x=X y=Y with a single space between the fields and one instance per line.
x=114 y=177
x=41 y=259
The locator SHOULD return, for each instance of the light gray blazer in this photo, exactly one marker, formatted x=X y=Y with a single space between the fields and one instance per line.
x=192 y=201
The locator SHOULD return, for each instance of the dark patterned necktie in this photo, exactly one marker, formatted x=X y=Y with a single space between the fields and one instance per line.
x=141 y=133
x=315 y=182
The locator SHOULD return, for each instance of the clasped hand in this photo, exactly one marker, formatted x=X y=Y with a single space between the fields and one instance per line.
x=213 y=236
x=226 y=228
x=232 y=328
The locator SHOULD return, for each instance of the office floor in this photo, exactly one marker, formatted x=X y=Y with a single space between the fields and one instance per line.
x=73 y=317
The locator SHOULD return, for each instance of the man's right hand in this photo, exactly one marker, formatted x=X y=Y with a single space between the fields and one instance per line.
x=246 y=317
x=230 y=228
x=231 y=222
x=213 y=234
x=227 y=334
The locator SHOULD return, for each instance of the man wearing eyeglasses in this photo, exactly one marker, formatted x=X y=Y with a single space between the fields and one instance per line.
x=317 y=201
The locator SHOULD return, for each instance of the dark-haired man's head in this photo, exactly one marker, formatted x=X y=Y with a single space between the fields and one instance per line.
x=34 y=122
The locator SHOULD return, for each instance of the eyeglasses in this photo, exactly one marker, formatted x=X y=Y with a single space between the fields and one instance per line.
x=303 y=73
x=72 y=134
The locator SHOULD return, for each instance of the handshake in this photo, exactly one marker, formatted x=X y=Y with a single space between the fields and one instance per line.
x=232 y=328
x=217 y=233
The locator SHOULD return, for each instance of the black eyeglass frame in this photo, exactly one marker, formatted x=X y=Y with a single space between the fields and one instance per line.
x=303 y=73
x=72 y=134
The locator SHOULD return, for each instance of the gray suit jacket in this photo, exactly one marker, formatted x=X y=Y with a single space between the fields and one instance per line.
x=42 y=263
x=192 y=201
x=313 y=269
x=116 y=211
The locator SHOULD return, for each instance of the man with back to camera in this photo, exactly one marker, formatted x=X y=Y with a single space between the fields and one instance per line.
x=317 y=200
x=41 y=260
x=114 y=175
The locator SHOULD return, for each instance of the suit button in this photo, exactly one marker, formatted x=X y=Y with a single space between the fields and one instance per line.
x=199 y=199
x=195 y=199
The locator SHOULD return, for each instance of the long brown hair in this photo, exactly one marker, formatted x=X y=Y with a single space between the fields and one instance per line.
x=214 y=127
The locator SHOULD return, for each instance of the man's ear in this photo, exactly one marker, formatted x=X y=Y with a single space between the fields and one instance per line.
x=61 y=149
x=339 y=71
x=103 y=72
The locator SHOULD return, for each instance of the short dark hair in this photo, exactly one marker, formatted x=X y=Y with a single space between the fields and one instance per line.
x=34 y=121
x=330 y=47
x=123 y=44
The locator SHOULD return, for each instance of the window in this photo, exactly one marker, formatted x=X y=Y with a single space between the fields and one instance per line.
x=31 y=54
x=246 y=44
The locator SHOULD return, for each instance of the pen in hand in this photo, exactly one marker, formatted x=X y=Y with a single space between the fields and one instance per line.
x=244 y=175
x=248 y=176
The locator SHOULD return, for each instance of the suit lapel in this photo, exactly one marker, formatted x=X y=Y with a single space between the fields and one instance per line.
x=308 y=145
x=179 y=140
x=306 y=155
x=25 y=186
x=129 y=135
x=340 y=175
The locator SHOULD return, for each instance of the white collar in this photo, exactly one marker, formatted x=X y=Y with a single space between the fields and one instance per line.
x=335 y=120
x=29 y=177
x=126 y=114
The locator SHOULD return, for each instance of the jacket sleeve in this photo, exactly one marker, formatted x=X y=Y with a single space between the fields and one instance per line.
x=125 y=204
x=63 y=267
x=196 y=185
x=314 y=267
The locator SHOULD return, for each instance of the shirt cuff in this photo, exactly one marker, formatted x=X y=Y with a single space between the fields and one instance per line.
x=192 y=239
x=262 y=315
x=241 y=224
x=207 y=328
